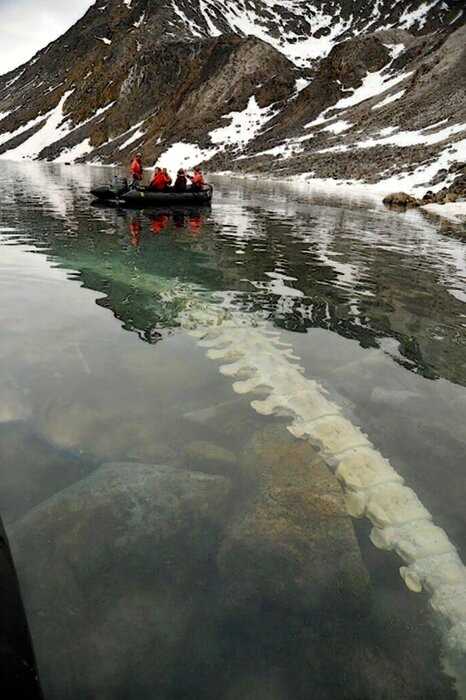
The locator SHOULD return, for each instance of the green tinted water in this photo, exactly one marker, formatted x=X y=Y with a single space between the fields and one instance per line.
x=132 y=598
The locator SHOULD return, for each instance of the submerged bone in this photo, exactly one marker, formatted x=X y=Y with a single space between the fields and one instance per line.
x=394 y=504
x=356 y=503
x=363 y=469
x=413 y=541
x=434 y=572
x=449 y=600
x=334 y=435
x=373 y=487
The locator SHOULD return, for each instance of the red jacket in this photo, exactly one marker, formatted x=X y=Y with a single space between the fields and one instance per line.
x=136 y=169
x=160 y=181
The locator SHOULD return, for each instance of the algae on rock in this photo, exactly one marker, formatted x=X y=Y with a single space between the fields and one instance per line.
x=294 y=542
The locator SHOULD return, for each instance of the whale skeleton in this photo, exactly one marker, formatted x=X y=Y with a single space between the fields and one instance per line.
x=259 y=361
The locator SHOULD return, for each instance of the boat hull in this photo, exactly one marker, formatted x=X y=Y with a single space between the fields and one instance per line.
x=145 y=198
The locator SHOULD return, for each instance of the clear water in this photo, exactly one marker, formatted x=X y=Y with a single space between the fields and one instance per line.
x=95 y=369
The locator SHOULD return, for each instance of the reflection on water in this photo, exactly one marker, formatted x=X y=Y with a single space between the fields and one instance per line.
x=220 y=571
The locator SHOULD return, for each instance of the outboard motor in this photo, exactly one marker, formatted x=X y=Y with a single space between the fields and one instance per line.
x=120 y=185
x=18 y=673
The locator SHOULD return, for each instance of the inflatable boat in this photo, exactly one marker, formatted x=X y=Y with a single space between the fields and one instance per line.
x=120 y=194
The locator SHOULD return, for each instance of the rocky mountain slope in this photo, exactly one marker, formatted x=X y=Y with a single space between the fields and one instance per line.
x=347 y=89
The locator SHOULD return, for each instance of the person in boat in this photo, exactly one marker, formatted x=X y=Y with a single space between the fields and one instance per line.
x=168 y=180
x=160 y=181
x=181 y=182
x=197 y=180
x=136 y=168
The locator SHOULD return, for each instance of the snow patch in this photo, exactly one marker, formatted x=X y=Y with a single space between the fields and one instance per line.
x=185 y=20
x=244 y=126
x=55 y=127
x=389 y=99
x=302 y=83
x=372 y=85
x=395 y=49
x=138 y=22
x=413 y=138
x=212 y=29
x=417 y=16
x=13 y=80
x=453 y=211
x=4 y=115
x=338 y=127
x=52 y=130
x=135 y=136
x=69 y=155
x=406 y=182
x=105 y=40
x=184 y=155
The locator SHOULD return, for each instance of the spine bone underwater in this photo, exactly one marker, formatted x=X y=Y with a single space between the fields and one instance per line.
x=259 y=362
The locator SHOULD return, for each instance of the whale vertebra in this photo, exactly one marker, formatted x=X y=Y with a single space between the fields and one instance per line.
x=373 y=488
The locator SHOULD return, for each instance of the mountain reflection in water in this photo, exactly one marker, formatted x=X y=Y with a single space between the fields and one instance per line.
x=372 y=303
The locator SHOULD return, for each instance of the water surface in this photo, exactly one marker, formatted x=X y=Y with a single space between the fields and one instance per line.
x=95 y=369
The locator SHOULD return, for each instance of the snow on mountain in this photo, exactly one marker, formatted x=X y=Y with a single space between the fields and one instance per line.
x=291 y=86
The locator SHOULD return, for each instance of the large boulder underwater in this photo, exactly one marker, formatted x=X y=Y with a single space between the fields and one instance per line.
x=294 y=542
x=112 y=570
x=145 y=581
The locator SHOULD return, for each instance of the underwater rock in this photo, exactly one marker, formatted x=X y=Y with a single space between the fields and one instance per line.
x=111 y=570
x=293 y=542
x=210 y=458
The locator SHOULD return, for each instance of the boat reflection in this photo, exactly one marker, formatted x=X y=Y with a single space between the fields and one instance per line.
x=188 y=219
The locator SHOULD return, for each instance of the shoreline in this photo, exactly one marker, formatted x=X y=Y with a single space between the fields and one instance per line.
x=454 y=212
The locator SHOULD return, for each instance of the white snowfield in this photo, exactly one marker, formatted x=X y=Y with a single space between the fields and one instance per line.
x=413 y=183
x=243 y=18
x=136 y=135
x=241 y=129
x=389 y=99
x=184 y=155
x=453 y=211
x=54 y=128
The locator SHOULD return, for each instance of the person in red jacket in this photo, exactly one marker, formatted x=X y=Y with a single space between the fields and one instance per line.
x=136 y=169
x=197 y=180
x=160 y=180
x=167 y=178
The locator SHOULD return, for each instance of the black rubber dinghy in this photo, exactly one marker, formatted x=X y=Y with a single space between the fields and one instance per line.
x=18 y=673
x=121 y=195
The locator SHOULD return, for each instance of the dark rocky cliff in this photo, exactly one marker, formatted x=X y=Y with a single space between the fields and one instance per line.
x=140 y=74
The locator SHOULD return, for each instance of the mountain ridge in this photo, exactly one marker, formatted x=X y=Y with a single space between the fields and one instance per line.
x=237 y=84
